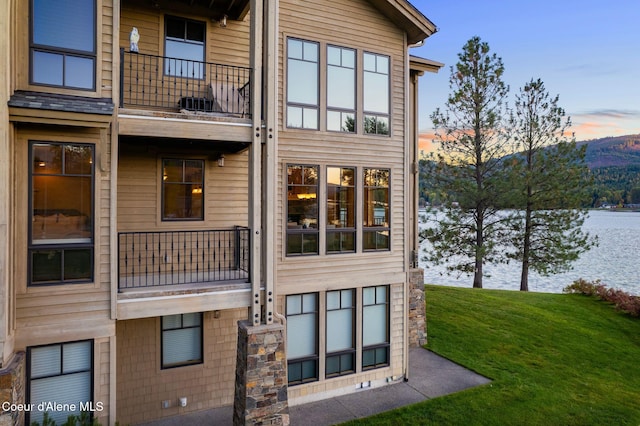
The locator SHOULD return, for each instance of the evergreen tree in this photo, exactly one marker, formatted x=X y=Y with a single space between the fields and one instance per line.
x=549 y=187
x=468 y=165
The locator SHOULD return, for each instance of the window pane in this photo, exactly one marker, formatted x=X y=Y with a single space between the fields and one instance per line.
x=46 y=361
x=183 y=189
x=47 y=159
x=78 y=264
x=294 y=49
x=69 y=390
x=77 y=159
x=294 y=304
x=302 y=86
x=374 y=324
x=50 y=17
x=333 y=365
x=309 y=369
x=333 y=300
x=195 y=31
x=310 y=51
x=309 y=243
x=47 y=68
x=310 y=118
x=182 y=346
x=368 y=296
x=369 y=62
x=171 y=321
x=192 y=319
x=175 y=28
x=339 y=330
x=341 y=87
x=368 y=358
x=46 y=266
x=347 y=298
x=376 y=92
x=294 y=117
x=301 y=335
x=309 y=303
x=77 y=357
x=79 y=72
x=295 y=372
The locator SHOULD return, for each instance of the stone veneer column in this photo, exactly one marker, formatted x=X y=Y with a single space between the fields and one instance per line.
x=261 y=376
x=12 y=382
x=417 y=310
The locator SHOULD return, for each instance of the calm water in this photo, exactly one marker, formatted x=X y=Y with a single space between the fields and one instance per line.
x=615 y=261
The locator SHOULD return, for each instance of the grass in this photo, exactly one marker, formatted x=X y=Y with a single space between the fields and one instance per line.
x=555 y=359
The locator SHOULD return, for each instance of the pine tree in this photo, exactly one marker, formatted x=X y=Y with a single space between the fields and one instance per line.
x=549 y=186
x=468 y=166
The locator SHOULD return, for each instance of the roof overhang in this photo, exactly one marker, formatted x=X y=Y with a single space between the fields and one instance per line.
x=422 y=65
x=406 y=16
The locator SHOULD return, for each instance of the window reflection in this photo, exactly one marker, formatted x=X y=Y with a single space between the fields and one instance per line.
x=341 y=89
x=376 y=209
x=302 y=84
x=302 y=209
x=376 y=94
x=182 y=189
x=340 y=209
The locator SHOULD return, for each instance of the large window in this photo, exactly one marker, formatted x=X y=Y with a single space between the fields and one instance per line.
x=302 y=210
x=341 y=89
x=302 y=84
x=61 y=374
x=341 y=221
x=181 y=340
x=61 y=196
x=375 y=327
x=376 y=94
x=340 y=330
x=184 y=47
x=182 y=189
x=63 y=43
x=376 y=227
x=302 y=338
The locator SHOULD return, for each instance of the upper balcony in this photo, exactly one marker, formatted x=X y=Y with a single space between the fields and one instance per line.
x=173 y=84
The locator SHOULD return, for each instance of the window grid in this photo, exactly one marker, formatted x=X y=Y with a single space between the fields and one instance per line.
x=376 y=97
x=303 y=87
x=302 y=210
x=59 y=56
x=341 y=89
x=376 y=200
x=342 y=361
x=184 y=48
x=341 y=232
x=61 y=202
x=375 y=313
x=182 y=189
x=194 y=322
x=61 y=372
x=301 y=308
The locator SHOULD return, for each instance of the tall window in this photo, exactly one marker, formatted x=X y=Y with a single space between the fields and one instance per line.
x=302 y=338
x=340 y=358
x=63 y=43
x=341 y=89
x=61 y=373
x=182 y=189
x=302 y=210
x=181 y=340
x=375 y=327
x=61 y=195
x=302 y=84
x=376 y=94
x=184 y=48
x=376 y=227
x=341 y=210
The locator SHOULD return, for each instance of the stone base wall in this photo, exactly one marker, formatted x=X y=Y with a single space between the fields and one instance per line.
x=417 y=310
x=261 y=376
x=12 y=390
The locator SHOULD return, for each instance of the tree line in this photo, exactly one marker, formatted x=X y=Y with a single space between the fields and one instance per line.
x=510 y=181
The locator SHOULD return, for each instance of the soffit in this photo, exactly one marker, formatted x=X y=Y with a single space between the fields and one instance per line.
x=407 y=17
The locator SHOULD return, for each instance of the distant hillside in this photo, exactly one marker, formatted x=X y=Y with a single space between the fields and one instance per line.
x=619 y=151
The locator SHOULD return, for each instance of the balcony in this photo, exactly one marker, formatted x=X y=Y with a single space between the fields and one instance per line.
x=182 y=260
x=178 y=85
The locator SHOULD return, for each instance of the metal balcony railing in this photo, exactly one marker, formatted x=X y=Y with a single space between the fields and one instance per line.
x=160 y=82
x=149 y=259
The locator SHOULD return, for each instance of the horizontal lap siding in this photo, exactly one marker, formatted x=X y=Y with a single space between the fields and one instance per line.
x=225 y=192
x=73 y=311
x=107 y=48
x=356 y=25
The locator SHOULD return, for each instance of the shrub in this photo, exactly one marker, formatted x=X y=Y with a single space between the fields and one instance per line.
x=623 y=301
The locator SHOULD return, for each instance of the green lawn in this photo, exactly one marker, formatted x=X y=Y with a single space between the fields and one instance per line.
x=555 y=359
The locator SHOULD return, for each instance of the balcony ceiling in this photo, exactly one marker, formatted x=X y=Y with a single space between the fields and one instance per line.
x=213 y=9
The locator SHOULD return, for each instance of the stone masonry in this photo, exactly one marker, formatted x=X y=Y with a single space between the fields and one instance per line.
x=417 y=310
x=261 y=376
x=12 y=382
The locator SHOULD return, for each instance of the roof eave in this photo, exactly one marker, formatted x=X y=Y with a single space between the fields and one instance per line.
x=402 y=13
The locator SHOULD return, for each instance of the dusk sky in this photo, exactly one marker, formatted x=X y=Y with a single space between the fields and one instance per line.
x=585 y=51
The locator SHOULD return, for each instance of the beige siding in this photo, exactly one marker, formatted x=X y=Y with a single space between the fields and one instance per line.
x=142 y=384
x=229 y=45
x=139 y=191
x=57 y=313
x=361 y=27
x=106 y=62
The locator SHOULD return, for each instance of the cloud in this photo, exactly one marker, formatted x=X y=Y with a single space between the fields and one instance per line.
x=617 y=114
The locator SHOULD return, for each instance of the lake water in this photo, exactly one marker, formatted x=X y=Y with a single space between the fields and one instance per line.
x=615 y=261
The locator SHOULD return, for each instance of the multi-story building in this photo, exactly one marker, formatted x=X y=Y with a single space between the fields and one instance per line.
x=170 y=168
